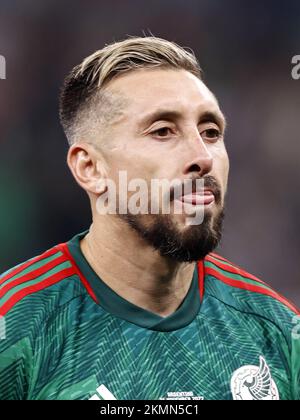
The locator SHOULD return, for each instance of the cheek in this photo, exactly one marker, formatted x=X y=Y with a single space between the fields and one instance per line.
x=146 y=165
x=143 y=158
x=226 y=168
x=130 y=169
x=221 y=166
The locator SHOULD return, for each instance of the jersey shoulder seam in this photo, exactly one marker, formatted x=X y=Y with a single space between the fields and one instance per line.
x=231 y=274
x=254 y=314
x=34 y=275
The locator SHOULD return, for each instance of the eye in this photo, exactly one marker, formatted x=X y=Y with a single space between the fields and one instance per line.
x=211 y=134
x=162 y=132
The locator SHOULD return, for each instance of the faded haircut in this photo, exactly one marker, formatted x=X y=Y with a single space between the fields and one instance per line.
x=84 y=101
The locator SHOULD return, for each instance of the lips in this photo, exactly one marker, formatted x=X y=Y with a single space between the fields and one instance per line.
x=198 y=198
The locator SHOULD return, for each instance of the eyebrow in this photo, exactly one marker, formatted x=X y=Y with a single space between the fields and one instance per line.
x=215 y=117
x=170 y=115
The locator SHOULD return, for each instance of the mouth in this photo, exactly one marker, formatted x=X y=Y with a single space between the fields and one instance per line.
x=198 y=198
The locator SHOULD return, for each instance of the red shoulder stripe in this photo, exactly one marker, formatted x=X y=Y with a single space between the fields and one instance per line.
x=13 y=300
x=32 y=275
x=233 y=269
x=213 y=254
x=64 y=248
x=201 y=278
x=23 y=266
x=252 y=288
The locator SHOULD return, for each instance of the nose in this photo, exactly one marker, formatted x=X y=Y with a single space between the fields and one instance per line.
x=202 y=161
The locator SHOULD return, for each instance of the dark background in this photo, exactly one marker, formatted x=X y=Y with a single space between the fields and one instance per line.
x=245 y=49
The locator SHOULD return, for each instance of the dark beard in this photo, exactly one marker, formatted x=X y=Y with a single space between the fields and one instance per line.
x=191 y=245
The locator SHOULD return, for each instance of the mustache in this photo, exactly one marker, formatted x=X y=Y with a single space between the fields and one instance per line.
x=191 y=185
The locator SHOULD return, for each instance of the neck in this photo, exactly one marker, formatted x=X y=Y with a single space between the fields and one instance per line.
x=133 y=269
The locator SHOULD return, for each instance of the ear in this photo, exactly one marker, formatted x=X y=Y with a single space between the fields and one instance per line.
x=88 y=167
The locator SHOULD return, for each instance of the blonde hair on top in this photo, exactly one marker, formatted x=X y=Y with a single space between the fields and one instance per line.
x=83 y=89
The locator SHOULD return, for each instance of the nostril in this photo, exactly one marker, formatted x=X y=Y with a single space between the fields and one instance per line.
x=194 y=168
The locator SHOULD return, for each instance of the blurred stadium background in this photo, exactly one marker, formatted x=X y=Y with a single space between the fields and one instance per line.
x=245 y=49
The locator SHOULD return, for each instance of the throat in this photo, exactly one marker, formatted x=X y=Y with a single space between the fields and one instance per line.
x=142 y=286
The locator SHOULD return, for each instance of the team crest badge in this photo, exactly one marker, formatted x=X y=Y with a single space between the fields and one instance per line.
x=254 y=383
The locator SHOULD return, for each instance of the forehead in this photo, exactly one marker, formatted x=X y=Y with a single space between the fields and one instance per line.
x=151 y=89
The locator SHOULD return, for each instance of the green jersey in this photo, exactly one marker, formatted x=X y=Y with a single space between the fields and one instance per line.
x=66 y=335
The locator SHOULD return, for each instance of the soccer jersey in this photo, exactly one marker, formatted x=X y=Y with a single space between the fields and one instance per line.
x=65 y=334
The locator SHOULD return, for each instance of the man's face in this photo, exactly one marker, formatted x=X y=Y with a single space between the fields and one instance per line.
x=172 y=128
